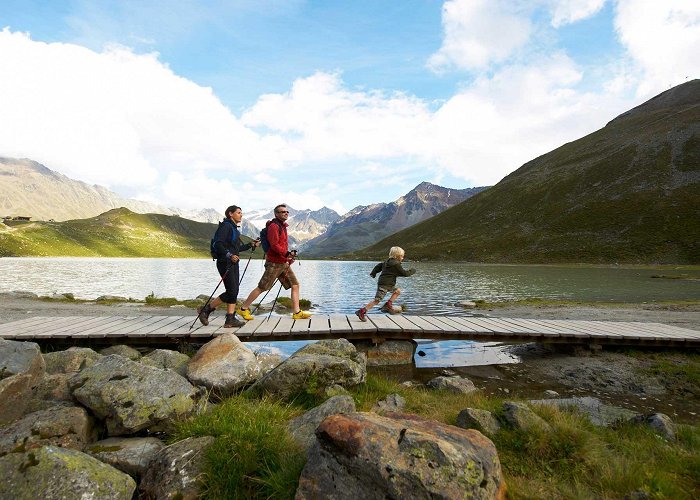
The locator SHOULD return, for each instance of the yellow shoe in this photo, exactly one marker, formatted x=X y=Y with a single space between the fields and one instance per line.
x=245 y=314
x=301 y=315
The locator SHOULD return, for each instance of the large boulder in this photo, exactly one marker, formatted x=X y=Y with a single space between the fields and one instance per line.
x=131 y=397
x=167 y=360
x=177 y=470
x=21 y=358
x=659 y=422
x=52 y=390
x=71 y=360
x=130 y=455
x=15 y=394
x=481 y=420
x=223 y=365
x=59 y=473
x=369 y=456
x=314 y=368
x=597 y=412
x=303 y=427
x=122 y=350
x=391 y=403
x=388 y=353
x=67 y=427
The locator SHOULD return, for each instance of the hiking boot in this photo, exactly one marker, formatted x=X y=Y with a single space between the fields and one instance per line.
x=245 y=314
x=233 y=322
x=362 y=314
x=301 y=315
x=203 y=314
x=390 y=309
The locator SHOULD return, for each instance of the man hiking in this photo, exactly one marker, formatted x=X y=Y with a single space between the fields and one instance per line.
x=227 y=248
x=278 y=262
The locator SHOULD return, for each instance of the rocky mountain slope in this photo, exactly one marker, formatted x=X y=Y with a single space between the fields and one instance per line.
x=627 y=193
x=303 y=224
x=364 y=225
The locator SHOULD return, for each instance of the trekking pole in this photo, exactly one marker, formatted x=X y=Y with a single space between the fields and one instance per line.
x=212 y=294
x=245 y=269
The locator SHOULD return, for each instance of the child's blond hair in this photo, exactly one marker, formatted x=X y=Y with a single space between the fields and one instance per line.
x=396 y=253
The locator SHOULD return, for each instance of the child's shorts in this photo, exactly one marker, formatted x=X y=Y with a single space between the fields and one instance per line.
x=382 y=291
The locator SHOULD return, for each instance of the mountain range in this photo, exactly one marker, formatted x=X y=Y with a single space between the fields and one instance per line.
x=627 y=193
x=364 y=225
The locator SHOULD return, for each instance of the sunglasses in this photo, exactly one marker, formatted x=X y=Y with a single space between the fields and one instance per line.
x=283 y=212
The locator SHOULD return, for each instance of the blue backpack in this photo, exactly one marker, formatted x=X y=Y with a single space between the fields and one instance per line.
x=212 y=243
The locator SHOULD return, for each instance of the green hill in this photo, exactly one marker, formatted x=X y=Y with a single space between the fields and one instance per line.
x=627 y=193
x=116 y=233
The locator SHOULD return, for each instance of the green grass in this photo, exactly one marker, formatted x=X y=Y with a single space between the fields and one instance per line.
x=254 y=458
x=253 y=455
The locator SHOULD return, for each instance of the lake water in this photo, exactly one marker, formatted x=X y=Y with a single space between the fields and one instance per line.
x=342 y=287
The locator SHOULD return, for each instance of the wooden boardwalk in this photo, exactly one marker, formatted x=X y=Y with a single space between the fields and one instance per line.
x=168 y=330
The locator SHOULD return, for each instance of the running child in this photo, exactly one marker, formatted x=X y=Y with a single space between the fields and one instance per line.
x=389 y=269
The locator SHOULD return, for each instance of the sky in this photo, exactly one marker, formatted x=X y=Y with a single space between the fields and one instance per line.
x=204 y=104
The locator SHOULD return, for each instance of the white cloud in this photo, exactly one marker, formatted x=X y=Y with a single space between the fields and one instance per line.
x=662 y=38
x=478 y=33
x=571 y=11
x=115 y=118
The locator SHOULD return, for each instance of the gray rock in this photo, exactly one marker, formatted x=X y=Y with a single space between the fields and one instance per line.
x=389 y=353
x=598 y=413
x=71 y=360
x=67 y=427
x=315 y=367
x=458 y=385
x=369 y=456
x=130 y=455
x=177 y=470
x=520 y=416
x=267 y=362
x=51 y=391
x=393 y=403
x=21 y=358
x=111 y=298
x=467 y=304
x=60 y=473
x=481 y=420
x=131 y=397
x=122 y=350
x=15 y=394
x=333 y=390
x=551 y=394
x=167 y=360
x=659 y=422
x=303 y=427
x=223 y=365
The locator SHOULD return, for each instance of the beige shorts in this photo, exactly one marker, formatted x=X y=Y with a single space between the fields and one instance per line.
x=273 y=271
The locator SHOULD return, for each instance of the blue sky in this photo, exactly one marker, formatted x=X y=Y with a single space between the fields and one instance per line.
x=208 y=103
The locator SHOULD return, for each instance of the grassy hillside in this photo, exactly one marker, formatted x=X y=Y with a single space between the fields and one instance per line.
x=116 y=233
x=628 y=193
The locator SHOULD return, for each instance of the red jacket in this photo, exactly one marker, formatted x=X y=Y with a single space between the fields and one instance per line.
x=277 y=237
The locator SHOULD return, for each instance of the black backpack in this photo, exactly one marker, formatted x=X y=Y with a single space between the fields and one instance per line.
x=212 y=243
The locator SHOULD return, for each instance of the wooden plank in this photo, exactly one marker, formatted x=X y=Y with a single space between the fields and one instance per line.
x=639 y=332
x=267 y=326
x=438 y=321
x=69 y=326
x=101 y=331
x=249 y=328
x=29 y=328
x=426 y=326
x=508 y=327
x=21 y=325
x=339 y=324
x=127 y=328
x=160 y=328
x=284 y=327
x=531 y=326
x=464 y=326
x=572 y=330
x=606 y=328
x=361 y=327
x=478 y=325
x=407 y=325
x=384 y=324
x=300 y=327
x=674 y=330
x=319 y=324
